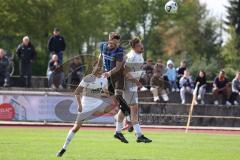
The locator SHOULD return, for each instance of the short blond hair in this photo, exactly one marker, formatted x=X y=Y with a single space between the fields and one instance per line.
x=26 y=38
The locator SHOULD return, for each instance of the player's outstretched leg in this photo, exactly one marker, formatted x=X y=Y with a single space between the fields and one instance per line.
x=69 y=138
x=119 y=126
x=137 y=127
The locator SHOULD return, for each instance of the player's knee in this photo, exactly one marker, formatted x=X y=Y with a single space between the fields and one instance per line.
x=76 y=128
x=134 y=122
x=118 y=92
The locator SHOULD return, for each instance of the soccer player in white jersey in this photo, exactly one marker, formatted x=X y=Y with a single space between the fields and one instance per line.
x=133 y=67
x=92 y=96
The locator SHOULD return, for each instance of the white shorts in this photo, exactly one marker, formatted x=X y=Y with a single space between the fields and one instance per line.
x=94 y=107
x=130 y=93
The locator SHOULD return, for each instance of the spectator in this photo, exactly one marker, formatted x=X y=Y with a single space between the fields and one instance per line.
x=172 y=76
x=201 y=79
x=56 y=44
x=180 y=71
x=159 y=67
x=186 y=85
x=4 y=74
x=26 y=54
x=235 y=89
x=182 y=68
x=157 y=87
x=55 y=73
x=76 y=71
x=148 y=68
x=221 y=87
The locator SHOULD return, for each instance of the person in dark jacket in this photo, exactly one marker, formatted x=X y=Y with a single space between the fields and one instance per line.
x=181 y=68
x=26 y=54
x=4 y=75
x=56 y=45
x=76 y=71
x=201 y=79
x=221 y=86
x=55 y=73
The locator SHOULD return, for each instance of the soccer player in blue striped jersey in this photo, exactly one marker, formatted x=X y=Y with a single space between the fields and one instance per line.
x=112 y=55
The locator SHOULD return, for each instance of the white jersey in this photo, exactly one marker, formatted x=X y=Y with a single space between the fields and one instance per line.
x=93 y=105
x=93 y=87
x=134 y=61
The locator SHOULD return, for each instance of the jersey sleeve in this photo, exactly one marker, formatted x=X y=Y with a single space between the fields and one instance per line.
x=83 y=84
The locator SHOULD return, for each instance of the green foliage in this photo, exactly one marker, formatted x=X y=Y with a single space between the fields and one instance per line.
x=189 y=34
x=233 y=20
x=230 y=53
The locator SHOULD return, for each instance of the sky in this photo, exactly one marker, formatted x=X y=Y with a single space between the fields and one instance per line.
x=217 y=9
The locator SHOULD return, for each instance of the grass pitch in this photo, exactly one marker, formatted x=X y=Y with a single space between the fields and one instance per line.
x=43 y=143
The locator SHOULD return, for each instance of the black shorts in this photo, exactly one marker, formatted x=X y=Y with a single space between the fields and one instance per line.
x=116 y=82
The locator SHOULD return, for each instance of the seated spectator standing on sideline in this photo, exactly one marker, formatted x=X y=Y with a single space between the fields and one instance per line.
x=56 y=45
x=4 y=74
x=221 y=86
x=55 y=73
x=180 y=70
x=148 y=68
x=76 y=71
x=201 y=78
x=157 y=87
x=186 y=85
x=235 y=89
x=26 y=54
x=172 y=76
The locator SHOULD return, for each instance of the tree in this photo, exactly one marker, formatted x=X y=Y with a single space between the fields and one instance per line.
x=233 y=19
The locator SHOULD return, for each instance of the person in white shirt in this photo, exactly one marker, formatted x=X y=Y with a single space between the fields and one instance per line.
x=133 y=71
x=186 y=85
x=92 y=96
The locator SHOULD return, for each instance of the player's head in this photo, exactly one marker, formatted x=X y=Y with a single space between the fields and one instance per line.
x=97 y=68
x=113 y=40
x=136 y=45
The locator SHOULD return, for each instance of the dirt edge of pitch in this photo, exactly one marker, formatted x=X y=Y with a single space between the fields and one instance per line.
x=152 y=127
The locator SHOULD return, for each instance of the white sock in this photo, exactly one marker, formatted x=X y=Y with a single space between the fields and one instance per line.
x=68 y=139
x=137 y=129
x=119 y=127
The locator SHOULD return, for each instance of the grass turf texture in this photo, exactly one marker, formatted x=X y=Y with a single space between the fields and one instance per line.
x=42 y=144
